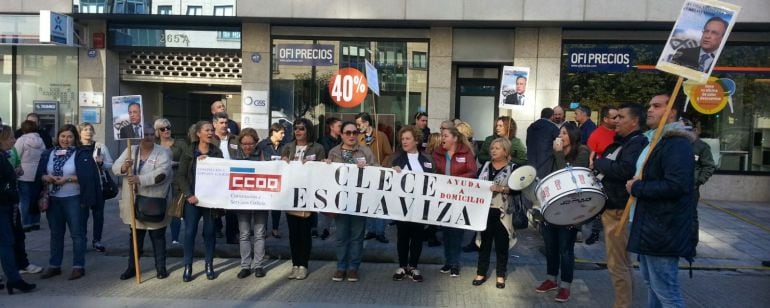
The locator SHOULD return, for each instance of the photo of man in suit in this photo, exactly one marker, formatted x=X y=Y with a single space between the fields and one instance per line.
x=134 y=129
x=702 y=57
x=518 y=98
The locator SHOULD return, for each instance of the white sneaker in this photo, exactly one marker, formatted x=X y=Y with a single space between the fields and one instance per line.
x=174 y=243
x=31 y=269
x=294 y=272
x=301 y=273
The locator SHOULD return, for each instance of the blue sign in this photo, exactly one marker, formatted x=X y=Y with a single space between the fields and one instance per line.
x=600 y=59
x=91 y=53
x=372 y=78
x=256 y=57
x=305 y=54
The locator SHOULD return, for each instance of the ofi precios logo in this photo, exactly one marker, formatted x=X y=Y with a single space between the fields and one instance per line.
x=247 y=179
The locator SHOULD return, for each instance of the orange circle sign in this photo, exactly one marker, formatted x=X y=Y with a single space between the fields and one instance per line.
x=709 y=98
x=348 y=87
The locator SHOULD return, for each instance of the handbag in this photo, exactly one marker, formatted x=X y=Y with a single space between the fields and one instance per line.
x=518 y=213
x=109 y=188
x=42 y=202
x=150 y=209
x=177 y=207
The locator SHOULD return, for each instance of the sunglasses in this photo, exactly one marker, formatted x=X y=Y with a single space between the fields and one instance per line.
x=164 y=129
x=351 y=133
x=299 y=128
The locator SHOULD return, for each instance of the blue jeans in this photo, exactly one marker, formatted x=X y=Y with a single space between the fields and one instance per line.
x=661 y=274
x=176 y=226
x=62 y=213
x=376 y=226
x=560 y=250
x=28 y=195
x=453 y=239
x=350 y=241
x=97 y=210
x=7 y=256
x=192 y=215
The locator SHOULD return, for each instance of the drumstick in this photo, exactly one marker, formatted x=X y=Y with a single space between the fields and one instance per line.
x=653 y=143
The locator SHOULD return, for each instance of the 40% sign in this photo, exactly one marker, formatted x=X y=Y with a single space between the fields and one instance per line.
x=348 y=87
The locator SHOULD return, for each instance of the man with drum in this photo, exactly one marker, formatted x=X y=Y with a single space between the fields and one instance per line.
x=615 y=167
x=663 y=216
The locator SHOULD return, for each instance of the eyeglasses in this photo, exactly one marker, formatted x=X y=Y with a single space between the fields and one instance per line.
x=164 y=129
x=299 y=128
x=351 y=133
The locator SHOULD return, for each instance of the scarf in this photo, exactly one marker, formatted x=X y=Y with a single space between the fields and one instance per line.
x=58 y=164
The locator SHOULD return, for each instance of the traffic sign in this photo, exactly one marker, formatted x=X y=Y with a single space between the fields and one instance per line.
x=348 y=87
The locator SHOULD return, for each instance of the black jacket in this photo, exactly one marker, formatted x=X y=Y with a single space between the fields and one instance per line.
x=328 y=142
x=267 y=151
x=665 y=212
x=402 y=160
x=540 y=136
x=9 y=194
x=618 y=171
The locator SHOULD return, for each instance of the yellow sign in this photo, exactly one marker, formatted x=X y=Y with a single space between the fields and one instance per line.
x=711 y=97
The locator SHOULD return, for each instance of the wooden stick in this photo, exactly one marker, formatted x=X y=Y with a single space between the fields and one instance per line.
x=374 y=129
x=137 y=270
x=653 y=143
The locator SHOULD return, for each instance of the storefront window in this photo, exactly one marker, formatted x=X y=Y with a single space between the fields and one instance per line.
x=300 y=89
x=6 y=71
x=739 y=135
x=47 y=74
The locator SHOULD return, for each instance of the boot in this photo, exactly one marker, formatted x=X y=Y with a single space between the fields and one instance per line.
x=210 y=275
x=162 y=273
x=128 y=274
x=20 y=285
x=187 y=275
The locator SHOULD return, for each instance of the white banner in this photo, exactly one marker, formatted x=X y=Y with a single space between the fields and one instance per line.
x=345 y=189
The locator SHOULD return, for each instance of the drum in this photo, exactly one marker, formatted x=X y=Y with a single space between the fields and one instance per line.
x=570 y=196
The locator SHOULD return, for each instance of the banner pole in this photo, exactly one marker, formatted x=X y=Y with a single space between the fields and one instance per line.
x=653 y=143
x=133 y=220
x=376 y=120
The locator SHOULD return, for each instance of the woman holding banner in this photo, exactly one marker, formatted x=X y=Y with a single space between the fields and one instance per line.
x=410 y=234
x=499 y=229
x=200 y=148
x=251 y=224
x=72 y=177
x=104 y=160
x=149 y=166
x=455 y=158
x=560 y=240
x=350 y=228
x=304 y=149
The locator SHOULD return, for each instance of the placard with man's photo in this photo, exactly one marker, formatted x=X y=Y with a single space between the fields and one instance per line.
x=127 y=121
x=513 y=87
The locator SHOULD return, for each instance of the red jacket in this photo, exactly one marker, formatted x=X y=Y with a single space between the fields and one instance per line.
x=463 y=163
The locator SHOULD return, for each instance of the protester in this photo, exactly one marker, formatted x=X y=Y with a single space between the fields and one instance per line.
x=410 y=234
x=200 y=148
x=331 y=139
x=421 y=122
x=560 y=240
x=8 y=199
x=499 y=229
x=539 y=143
x=378 y=142
x=232 y=127
x=505 y=127
x=453 y=158
x=558 y=116
x=466 y=130
x=270 y=149
x=587 y=126
x=303 y=149
x=599 y=140
x=29 y=146
x=350 y=228
x=704 y=160
x=251 y=223
x=227 y=143
x=72 y=179
x=104 y=160
x=615 y=167
x=41 y=130
x=663 y=216
x=146 y=169
x=176 y=147
x=434 y=141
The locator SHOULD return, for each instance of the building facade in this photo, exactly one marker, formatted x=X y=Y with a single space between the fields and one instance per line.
x=445 y=57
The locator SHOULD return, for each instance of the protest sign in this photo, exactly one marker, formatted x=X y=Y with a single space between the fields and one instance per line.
x=343 y=189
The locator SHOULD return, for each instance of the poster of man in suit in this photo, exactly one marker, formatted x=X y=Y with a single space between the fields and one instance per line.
x=127 y=117
x=513 y=87
x=697 y=39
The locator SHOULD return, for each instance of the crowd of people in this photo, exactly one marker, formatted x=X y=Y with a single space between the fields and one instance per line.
x=62 y=179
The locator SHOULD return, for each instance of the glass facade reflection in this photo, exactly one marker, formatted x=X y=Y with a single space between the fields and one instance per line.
x=156 y=7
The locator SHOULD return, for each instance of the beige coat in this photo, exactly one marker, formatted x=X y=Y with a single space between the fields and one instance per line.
x=159 y=162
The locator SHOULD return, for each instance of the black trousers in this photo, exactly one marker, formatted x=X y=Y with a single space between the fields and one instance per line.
x=158 y=238
x=300 y=241
x=497 y=234
x=19 y=248
x=560 y=250
x=409 y=243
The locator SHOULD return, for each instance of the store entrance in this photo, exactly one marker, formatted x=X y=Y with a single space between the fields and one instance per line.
x=185 y=104
x=476 y=99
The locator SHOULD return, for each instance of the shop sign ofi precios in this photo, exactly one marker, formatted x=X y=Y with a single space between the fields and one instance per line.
x=600 y=59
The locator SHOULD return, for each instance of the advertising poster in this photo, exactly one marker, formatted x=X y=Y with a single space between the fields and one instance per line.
x=127 y=121
x=513 y=87
x=697 y=39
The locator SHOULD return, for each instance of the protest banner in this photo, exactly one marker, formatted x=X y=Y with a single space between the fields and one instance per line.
x=343 y=189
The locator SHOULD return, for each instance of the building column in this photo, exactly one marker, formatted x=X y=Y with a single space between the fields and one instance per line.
x=440 y=96
x=255 y=41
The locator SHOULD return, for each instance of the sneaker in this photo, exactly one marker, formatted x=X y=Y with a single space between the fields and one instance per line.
x=399 y=274
x=445 y=269
x=31 y=269
x=301 y=273
x=592 y=238
x=382 y=239
x=370 y=236
x=454 y=272
x=259 y=272
x=293 y=274
x=352 y=275
x=324 y=234
x=98 y=246
x=339 y=275
x=415 y=275
x=175 y=243
x=245 y=272
x=547 y=285
x=562 y=296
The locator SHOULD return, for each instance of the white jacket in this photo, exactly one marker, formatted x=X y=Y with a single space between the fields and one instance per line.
x=29 y=146
x=159 y=162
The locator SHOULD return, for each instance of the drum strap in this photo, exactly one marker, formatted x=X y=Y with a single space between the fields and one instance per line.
x=574 y=180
